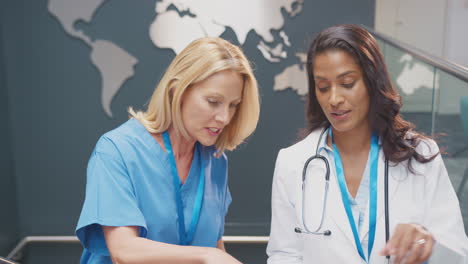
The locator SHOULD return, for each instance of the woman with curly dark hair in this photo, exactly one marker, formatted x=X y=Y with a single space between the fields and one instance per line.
x=363 y=186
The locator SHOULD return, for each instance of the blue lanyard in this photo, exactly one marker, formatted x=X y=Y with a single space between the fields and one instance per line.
x=374 y=154
x=185 y=237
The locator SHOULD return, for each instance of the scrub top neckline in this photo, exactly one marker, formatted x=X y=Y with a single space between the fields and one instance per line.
x=153 y=144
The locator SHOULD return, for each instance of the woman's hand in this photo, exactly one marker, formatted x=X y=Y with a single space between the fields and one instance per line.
x=409 y=244
x=217 y=256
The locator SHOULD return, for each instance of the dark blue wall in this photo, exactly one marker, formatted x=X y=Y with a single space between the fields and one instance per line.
x=8 y=206
x=56 y=116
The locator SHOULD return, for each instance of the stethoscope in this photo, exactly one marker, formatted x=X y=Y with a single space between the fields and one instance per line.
x=327 y=232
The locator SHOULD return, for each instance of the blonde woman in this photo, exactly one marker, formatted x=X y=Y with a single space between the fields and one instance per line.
x=157 y=185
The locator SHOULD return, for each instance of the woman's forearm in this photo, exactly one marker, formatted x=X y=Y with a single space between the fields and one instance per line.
x=125 y=246
x=139 y=250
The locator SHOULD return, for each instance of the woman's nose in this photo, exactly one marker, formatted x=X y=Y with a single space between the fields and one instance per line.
x=336 y=97
x=223 y=116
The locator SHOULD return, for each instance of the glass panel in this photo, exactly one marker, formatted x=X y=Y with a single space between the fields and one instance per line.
x=451 y=118
x=437 y=103
x=414 y=80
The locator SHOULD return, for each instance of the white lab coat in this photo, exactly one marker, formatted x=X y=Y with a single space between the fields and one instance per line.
x=426 y=198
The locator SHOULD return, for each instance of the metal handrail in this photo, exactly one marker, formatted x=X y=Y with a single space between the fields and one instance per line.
x=15 y=254
x=6 y=261
x=449 y=67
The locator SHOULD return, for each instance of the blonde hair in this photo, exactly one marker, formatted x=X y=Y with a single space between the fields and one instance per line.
x=198 y=61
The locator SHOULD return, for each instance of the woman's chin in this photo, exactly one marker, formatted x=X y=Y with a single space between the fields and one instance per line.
x=340 y=127
x=207 y=142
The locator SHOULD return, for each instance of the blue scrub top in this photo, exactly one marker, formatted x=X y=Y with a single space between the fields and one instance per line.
x=129 y=183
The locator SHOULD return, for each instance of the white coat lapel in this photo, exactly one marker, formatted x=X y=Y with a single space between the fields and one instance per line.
x=392 y=188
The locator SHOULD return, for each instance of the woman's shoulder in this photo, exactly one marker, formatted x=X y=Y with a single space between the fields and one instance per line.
x=127 y=129
x=301 y=150
x=119 y=137
x=425 y=146
x=307 y=143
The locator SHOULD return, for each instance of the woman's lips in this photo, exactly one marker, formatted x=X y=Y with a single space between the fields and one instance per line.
x=213 y=131
x=340 y=115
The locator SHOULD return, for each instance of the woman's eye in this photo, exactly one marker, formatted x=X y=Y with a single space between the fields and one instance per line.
x=213 y=102
x=323 y=88
x=348 y=85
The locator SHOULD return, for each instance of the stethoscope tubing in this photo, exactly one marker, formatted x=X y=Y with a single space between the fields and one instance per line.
x=327 y=183
x=387 y=213
x=324 y=205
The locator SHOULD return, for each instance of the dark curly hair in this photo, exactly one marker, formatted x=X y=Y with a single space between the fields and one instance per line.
x=385 y=102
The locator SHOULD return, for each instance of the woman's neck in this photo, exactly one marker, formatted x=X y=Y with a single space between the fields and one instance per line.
x=181 y=147
x=353 y=141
